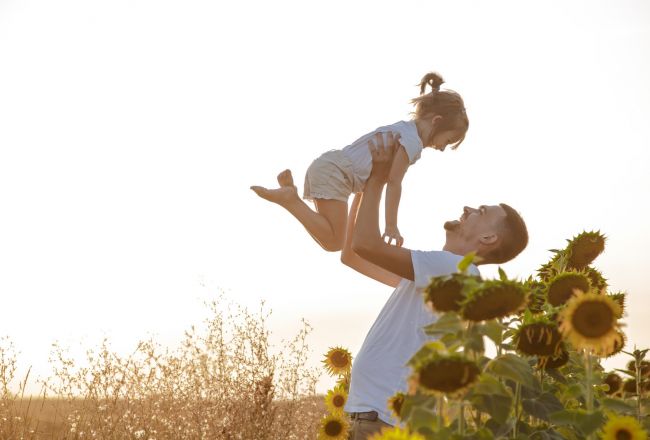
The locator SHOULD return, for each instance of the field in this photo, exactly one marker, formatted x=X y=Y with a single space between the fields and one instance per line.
x=223 y=382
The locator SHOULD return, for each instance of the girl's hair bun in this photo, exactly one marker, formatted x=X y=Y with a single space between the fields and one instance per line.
x=433 y=80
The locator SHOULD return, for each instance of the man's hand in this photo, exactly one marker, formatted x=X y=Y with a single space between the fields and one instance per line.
x=382 y=154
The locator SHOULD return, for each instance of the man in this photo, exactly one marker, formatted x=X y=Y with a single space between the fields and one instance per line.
x=496 y=233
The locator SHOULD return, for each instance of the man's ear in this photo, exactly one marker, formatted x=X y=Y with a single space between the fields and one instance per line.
x=489 y=239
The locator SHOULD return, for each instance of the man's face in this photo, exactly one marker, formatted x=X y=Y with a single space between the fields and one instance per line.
x=476 y=223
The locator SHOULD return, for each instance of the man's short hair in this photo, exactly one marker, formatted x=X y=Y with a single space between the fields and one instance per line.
x=514 y=237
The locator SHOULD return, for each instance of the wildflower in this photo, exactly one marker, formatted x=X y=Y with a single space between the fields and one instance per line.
x=333 y=426
x=563 y=286
x=396 y=433
x=494 y=299
x=338 y=360
x=589 y=322
x=623 y=427
x=335 y=399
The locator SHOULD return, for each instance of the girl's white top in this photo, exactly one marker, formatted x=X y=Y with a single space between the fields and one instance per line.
x=359 y=154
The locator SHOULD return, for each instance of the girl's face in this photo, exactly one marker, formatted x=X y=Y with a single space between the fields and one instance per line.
x=440 y=140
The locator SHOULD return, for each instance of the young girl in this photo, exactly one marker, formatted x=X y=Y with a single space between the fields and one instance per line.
x=439 y=120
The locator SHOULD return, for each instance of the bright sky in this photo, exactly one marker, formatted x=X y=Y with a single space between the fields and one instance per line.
x=130 y=132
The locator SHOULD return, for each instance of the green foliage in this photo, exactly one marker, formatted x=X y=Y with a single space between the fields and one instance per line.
x=531 y=396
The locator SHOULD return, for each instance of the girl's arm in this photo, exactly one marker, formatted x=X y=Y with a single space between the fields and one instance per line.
x=352 y=259
x=393 y=195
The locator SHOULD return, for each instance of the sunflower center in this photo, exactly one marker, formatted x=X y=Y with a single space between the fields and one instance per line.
x=561 y=289
x=623 y=434
x=448 y=375
x=446 y=298
x=493 y=303
x=338 y=401
x=339 y=359
x=333 y=428
x=593 y=319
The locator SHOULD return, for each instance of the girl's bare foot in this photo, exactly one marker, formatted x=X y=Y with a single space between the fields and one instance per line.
x=284 y=195
x=285 y=178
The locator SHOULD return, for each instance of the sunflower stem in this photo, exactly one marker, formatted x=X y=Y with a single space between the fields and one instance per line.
x=589 y=374
x=515 y=430
x=461 y=418
x=637 y=374
x=440 y=401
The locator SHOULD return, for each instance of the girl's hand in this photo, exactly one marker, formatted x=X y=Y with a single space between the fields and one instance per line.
x=392 y=233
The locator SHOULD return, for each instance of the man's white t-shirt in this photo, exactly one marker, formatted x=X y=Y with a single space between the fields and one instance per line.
x=379 y=369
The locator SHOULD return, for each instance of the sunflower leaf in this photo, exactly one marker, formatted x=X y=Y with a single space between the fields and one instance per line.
x=491 y=396
x=502 y=275
x=466 y=262
x=628 y=372
x=542 y=405
x=447 y=323
x=618 y=406
x=510 y=366
x=493 y=329
x=420 y=418
x=583 y=421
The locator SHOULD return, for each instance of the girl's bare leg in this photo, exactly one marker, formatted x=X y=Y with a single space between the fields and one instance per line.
x=326 y=225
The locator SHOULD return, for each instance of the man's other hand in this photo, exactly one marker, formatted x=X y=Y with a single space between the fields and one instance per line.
x=382 y=152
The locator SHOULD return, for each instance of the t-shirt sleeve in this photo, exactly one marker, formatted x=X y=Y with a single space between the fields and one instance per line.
x=413 y=149
x=429 y=264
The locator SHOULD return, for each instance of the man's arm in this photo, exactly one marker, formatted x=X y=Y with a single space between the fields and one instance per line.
x=350 y=258
x=366 y=240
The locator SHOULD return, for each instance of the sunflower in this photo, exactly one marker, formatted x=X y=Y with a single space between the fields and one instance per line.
x=619 y=344
x=444 y=294
x=614 y=382
x=536 y=297
x=344 y=381
x=494 y=299
x=333 y=426
x=338 y=361
x=629 y=386
x=596 y=278
x=395 y=403
x=552 y=267
x=619 y=297
x=557 y=361
x=335 y=399
x=396 y=433
x=538 y=338
x=584 y=248
x=563 y=286
x=589 y=321
x=645 y=368
x=444 y=374
x=623 y=427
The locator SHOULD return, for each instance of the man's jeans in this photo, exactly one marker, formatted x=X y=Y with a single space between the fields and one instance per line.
x=363 y=429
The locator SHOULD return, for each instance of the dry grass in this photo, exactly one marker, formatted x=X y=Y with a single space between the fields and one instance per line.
x=223 y=382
